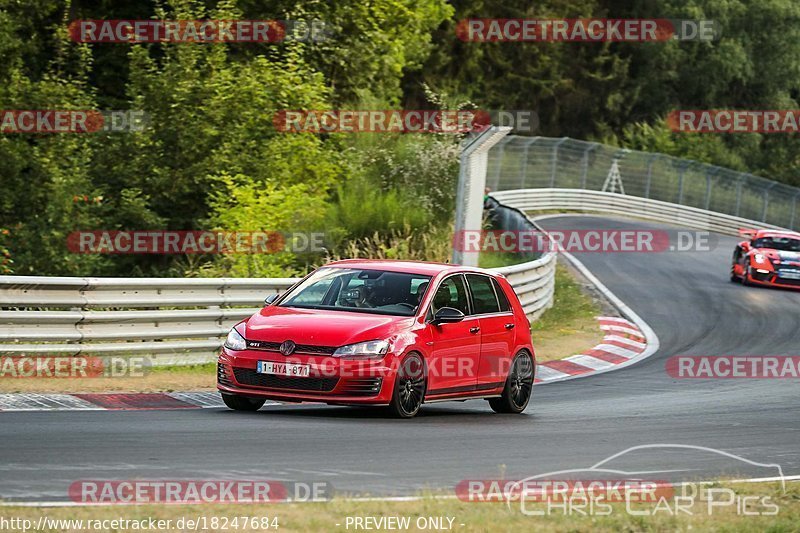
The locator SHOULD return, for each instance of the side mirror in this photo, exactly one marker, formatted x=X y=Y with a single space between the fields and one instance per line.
x=271 y=298
x=447 y=315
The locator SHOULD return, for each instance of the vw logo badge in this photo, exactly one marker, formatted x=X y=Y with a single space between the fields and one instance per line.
x=287 y=347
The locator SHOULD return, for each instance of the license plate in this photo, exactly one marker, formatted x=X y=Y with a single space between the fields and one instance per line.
x=283 y=369
x=789 y=274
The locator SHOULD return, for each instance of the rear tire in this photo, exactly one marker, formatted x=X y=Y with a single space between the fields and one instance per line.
x=242 y=403
x=409 y=387
x=519 y=386
x=734 y=277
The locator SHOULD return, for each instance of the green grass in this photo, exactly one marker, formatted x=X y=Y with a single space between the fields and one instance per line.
x=468 y=516
x=570 y=304
x=498 y=259
x=204 y=368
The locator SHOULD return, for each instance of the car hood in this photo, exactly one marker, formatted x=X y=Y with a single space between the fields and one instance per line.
x=321 y=327
x=784 y=256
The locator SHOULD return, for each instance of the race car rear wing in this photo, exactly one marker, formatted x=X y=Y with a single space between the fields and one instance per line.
x=748 y=233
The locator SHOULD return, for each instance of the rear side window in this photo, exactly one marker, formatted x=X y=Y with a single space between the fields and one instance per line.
x=501 y=296
x=483 y=297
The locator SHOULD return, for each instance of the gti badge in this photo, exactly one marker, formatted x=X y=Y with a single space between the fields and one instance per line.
x=287 y=348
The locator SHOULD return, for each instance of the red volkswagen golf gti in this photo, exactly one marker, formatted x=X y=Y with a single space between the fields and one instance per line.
x=390 y=333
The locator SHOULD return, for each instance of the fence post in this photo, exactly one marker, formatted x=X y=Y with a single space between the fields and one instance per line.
x=586 y=153
x=712 y=171
x=525 y=162
x=766 y=202
x=473 y=163
x=501 y=150
x=649 y=174
x=555 y=161
x=739 y=193
x=682 y=168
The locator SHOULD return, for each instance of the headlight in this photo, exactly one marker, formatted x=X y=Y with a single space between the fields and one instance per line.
x=235 y=341
x=759 y=258
x=363 y=349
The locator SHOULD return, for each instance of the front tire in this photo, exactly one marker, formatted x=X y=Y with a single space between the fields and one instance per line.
x=409 y=387
x=242 y=403
x=519 y=386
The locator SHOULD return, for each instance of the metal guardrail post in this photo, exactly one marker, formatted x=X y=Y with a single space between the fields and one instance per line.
x=766 y=202
x=586 y=163
x=524 y=178
x=555 y=161
x=712 y=171
x=739 y=193
x=471 y=187
x=501 y=152
x=682 y=170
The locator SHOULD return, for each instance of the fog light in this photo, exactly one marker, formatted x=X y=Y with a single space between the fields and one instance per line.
x=762 y=271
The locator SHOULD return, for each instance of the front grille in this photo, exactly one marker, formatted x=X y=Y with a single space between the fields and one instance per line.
x=788 y=281
x=250 y=378
x=317 y=350
x=222 y=376
x=269 y=346
x=361 y=387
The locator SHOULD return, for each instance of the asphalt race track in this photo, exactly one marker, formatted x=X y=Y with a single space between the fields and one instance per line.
x=684 y=296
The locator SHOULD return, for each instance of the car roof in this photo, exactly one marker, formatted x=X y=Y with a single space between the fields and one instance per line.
x=777 y=233
x=410 y=267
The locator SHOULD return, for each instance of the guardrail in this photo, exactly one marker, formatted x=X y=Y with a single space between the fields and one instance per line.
x=529 y=200
x=173 y=320
x=170 y=320
x=561 y=163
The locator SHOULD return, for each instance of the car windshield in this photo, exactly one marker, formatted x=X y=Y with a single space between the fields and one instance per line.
x=784 y=244
x=359 y=290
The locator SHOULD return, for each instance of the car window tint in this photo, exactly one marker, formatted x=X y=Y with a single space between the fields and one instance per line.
x=501 y=296
x=483 y=297
x=451 y=293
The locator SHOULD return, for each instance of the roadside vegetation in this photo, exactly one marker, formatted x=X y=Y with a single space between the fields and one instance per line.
x=569 y=327
x=211 y=157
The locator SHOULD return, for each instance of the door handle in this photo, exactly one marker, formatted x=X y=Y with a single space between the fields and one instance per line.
x=476 y=329
x=509 y=326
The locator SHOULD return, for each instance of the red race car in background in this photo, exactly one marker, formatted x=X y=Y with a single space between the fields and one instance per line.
x=393 y=333
x=767 y=257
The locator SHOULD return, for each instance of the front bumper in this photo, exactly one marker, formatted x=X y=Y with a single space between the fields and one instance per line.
x=331 y=380
x=772 y=279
